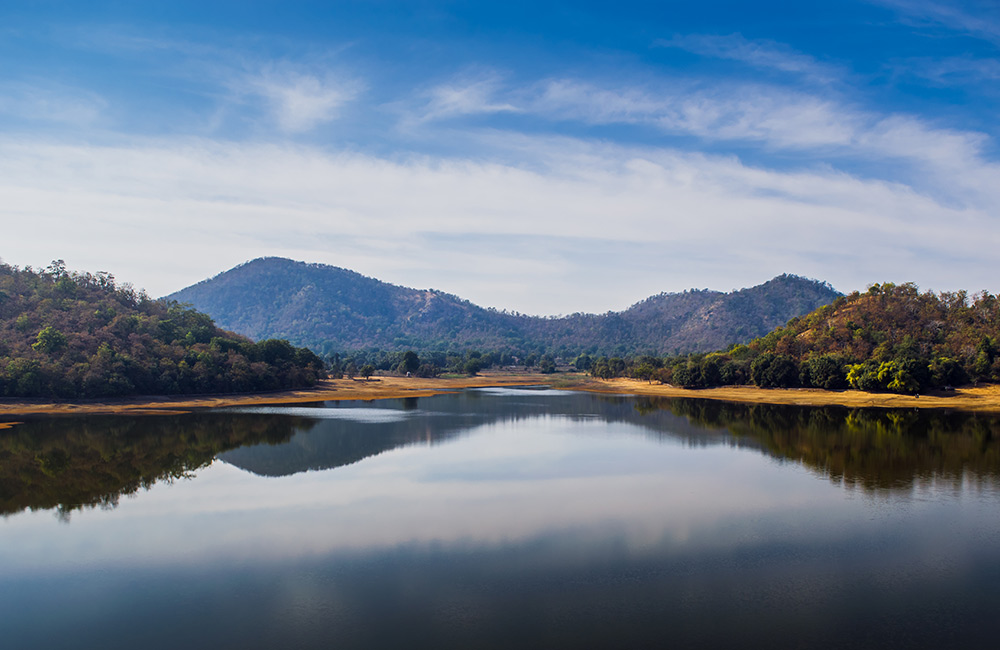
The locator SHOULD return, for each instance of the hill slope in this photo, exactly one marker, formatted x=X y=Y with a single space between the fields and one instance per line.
x=889 y=338
x=332 y=309
x=79 y=335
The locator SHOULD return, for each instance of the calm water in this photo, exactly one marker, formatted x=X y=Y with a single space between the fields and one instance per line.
x=502 y=518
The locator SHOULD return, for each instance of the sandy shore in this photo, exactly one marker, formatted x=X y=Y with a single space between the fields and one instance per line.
x=330 y=389
x=982 y=398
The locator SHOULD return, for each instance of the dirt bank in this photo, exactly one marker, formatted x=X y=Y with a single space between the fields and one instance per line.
x=331 y=389
x=982 y=398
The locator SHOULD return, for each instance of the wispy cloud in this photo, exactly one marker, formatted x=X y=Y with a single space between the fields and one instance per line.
x=760 y=53
x=978 y=73
x=294 y=94
x=44 y=101
x=978 y=18
x=298 y=101
x=468 y=94
x=773 y=118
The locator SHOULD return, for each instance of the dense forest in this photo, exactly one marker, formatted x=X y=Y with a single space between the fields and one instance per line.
x=70 y=335
x=333 y=310
x=891 y=338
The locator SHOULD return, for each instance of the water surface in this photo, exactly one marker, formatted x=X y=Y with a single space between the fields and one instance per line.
x=496 y=517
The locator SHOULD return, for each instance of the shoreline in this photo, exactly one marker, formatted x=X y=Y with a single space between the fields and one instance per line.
x=326 y=390
x=976 y=399
x=984 y=399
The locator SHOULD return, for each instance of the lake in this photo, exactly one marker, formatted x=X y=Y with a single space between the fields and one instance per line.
x=498 y=518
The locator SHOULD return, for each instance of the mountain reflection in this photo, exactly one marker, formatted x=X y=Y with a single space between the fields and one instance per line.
x=71 y=463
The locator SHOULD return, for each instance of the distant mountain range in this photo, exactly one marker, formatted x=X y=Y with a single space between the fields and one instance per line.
x=331 y=309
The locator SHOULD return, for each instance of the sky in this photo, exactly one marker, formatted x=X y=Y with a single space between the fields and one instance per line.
x=542 y=157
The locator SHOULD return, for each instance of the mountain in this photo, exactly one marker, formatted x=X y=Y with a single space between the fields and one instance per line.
x=332 y=309
x=68 y=334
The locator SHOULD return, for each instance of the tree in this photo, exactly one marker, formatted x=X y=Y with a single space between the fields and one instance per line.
x=473 y=366
x=351 y=369
x=825 y=371
x=644 y=371
x=409 y=363
x=49 y=341
x=771 y=370
x=367 y=371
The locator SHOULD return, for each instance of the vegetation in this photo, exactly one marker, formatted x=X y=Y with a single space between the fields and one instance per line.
x=332 y=310
x=365 y=363
x=71 y=335
x=892 y=338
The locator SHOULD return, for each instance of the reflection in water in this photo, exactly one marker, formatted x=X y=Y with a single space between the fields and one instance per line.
x=874 y=449
x=71 y=463
x=503 y=519
x=86 y=462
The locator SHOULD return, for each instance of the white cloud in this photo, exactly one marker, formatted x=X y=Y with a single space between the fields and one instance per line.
x=772 y=118
x=466 y=95
x=47 y=102
x=298 y=101
x=979 y=18
x=759 y=53
x=575 y=227
x=963 y=70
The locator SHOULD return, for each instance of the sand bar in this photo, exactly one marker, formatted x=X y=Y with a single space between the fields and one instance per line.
x=330 y=389
x=984 y=398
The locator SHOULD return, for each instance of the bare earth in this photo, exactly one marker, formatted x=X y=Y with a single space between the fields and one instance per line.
x=982 y=398
x=330 y=389
x=985 y=398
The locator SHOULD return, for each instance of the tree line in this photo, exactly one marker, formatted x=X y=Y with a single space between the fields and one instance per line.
x=365 y=363
x=891 y=338
x=71 y=335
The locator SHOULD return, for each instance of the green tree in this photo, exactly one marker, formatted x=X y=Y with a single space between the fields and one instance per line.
x=409 y=363
x=49 y=340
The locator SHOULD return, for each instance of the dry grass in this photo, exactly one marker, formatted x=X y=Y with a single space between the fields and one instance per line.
x=983 y=398
x=331 y=389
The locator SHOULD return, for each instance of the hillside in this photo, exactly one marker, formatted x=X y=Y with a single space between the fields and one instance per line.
x=71 y=335
x=890 y=338
x=330 y=309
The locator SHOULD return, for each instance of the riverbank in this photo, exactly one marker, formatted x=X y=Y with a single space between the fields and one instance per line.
x=981 y=398
x=984 y=398
x=326 y=390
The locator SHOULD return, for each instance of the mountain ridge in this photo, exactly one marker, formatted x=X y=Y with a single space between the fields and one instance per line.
x=328 y=309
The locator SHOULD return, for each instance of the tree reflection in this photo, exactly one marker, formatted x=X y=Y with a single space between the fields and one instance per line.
x=68 y=464
x=873 y=449
x=74 y=463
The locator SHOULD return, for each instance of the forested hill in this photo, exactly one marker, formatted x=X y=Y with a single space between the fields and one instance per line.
x=890 y=338
x=330 y=309
x=71 y=335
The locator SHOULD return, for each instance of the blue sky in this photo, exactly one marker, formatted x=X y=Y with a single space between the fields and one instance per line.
x=547 y=157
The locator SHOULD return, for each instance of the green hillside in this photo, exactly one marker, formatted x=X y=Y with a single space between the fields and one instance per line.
x=73 y=335
x=891 y=338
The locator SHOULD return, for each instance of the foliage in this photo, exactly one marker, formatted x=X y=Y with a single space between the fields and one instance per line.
x=890 y=338
x=72 y=335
